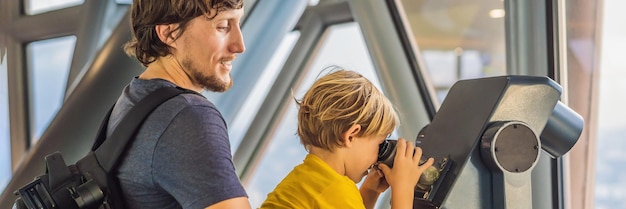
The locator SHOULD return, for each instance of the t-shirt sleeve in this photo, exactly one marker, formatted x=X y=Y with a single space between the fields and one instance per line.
x=193 y=161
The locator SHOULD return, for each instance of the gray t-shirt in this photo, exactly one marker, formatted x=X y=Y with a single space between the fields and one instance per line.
x=181 y=155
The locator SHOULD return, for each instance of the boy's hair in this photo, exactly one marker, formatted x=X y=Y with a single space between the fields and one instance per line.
x=338 y=101
x=145 y=44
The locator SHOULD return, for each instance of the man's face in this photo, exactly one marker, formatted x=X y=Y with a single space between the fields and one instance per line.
x=207 y=48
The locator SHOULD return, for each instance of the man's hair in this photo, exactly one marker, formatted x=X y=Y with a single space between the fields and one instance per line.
x=145 y=44
x=338 y=101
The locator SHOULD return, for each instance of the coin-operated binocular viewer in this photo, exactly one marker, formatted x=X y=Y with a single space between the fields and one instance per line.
x=486 y=139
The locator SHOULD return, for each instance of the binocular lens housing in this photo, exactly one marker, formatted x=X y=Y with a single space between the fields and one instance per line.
x=387 y=152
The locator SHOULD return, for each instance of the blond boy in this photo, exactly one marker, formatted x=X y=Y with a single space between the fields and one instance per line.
x=342 y=119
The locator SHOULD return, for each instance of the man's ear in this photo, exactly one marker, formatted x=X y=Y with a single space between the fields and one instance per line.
x=166 y=33
x=349 y=136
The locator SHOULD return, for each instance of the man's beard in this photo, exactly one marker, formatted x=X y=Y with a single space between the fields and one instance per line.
x=208 y=82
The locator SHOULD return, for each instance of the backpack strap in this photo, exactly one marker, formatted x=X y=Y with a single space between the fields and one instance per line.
x=102 y=131
x=109 y=150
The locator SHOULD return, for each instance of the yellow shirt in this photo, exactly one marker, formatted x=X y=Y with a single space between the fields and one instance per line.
x=314 y=184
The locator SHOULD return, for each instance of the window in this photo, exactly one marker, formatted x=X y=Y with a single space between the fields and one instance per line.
x=33 y=7
x=5 y=138
x=244 y=117
x=345 y=47
x=49 y=65
x=458 y=39
x=610 y=180
x=124 y=1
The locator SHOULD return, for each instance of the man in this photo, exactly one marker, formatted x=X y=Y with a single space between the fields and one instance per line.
x=181 y=156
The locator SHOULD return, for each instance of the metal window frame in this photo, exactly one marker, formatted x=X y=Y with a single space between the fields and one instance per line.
x=396 y=59
x=21 y=29
x=261 y=39
x=312 y=24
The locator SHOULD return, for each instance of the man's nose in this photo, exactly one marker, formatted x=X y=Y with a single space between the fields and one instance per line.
x=237 y=45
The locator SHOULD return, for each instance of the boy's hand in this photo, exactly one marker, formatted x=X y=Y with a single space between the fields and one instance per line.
x=406 y=170
x=371 y=188
x=374 y=181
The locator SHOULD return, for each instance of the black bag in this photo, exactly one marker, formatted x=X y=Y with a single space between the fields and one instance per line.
x=91 y=183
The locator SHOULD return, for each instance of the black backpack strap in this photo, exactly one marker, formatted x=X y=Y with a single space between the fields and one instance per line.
x=109 y=152
x=102 y=131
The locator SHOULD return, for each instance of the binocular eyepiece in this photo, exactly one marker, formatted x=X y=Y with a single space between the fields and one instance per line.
x=387 y=153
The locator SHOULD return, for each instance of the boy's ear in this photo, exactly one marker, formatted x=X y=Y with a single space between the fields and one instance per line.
x=166 y=34
x=349 y=136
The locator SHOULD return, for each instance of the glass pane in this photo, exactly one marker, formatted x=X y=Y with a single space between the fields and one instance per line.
x=344 y=46
x=610 y=191
x=124 y=1
x=313 y=2
x=49 y=64
x=33 y=7
x=244 y=117
x=5 y=140
x=458 y=39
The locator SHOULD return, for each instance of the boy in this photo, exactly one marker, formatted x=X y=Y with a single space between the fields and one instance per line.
x=342 y=119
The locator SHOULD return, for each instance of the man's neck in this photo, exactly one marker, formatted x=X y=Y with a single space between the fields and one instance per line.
x=168 y=68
